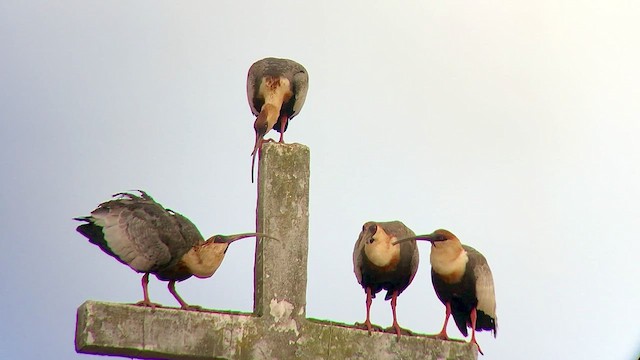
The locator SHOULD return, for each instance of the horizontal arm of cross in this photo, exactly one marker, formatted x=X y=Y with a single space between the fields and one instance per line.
x=138 y=332
x=278 y=327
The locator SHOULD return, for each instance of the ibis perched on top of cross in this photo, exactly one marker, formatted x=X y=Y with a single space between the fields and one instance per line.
x=276 y=90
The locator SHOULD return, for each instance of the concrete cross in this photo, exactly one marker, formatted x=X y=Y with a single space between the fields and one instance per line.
x=278 y=327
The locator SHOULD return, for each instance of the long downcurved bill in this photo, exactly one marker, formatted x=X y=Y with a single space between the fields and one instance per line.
x=427 y=237
x=228 y=239
x=256 y=148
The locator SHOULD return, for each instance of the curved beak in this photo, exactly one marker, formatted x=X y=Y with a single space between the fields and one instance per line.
x=256 y=148
x=228 y=239
x=429 y=237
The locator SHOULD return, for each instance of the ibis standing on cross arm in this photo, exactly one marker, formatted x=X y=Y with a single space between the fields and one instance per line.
x=378 y=264
x=142 y=234
x=463 y=282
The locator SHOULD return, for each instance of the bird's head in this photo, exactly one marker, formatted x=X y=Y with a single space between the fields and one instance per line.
x=204 y=259
x=378 y=244
x=369 y=229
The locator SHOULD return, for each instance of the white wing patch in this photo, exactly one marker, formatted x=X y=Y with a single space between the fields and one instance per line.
x=485 y=291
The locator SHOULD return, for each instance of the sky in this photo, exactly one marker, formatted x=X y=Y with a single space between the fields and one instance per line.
x=512 y=124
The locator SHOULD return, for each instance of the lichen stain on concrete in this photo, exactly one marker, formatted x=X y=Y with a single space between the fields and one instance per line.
x=281 y=313
x=261 y=351
x=90 y=339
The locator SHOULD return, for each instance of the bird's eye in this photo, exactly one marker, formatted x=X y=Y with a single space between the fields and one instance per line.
x=371 y=241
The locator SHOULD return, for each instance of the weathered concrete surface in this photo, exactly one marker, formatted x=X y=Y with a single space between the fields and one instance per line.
x=134 y=331
x=283 y=212
x=278 y=328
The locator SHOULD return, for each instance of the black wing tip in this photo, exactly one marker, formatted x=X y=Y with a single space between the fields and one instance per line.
x=83 y=218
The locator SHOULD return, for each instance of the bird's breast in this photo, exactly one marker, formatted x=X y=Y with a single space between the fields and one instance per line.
x=449 y=268
x=383 y=256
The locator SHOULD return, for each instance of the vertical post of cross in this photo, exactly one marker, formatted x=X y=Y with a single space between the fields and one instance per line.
x=283 y=211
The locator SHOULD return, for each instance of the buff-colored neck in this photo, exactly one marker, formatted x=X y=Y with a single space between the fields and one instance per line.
x=276 y=91
x=270 y=114
x=448 y=257
x=204 y=260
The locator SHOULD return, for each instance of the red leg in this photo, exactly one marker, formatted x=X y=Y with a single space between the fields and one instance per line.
x=183 y=304
x=473 y=330
x=145 y=291
x=394 y=299
x=283 y=125
x=368 y=321
x=443 y=333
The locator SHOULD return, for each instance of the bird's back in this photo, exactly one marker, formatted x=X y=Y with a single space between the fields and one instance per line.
x=274 y=67
x=139 y=232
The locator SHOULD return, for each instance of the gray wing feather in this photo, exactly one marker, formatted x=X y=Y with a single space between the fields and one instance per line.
x=143 y=234
x=357 y=257
x=252 y=86
x=130 y=238
x=300 y=85
x=485 y=291
x=358 y=249
x=190 y=235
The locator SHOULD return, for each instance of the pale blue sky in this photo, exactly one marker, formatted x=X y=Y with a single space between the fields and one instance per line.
x=512 y=124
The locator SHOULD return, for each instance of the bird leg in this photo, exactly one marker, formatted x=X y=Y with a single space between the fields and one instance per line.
x=473 y=330
x=283 y=126
x=367 y=324
x=368 y=321
x=443 y=333
x=394 y=299
x=146 y=302
x=183 y=304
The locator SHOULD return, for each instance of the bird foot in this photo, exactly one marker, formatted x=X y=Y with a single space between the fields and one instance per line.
x=191 y=307
x=473 y=341
x=147 y=303
x=369 y=327
x=402 y=331
x=441 y=336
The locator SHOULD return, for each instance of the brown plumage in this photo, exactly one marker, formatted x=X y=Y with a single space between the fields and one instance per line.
x=378 y=265
x=142 y=234
x=276 y=90
x=463 y=282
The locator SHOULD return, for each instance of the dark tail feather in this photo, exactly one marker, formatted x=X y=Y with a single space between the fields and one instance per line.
x=486 y=322
x=461 y=318
x=95 y=235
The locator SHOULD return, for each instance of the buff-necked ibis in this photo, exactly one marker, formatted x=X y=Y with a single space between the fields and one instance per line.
x=276 y=90
x=378 y=264
x=463 y=282
x=142 y=234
